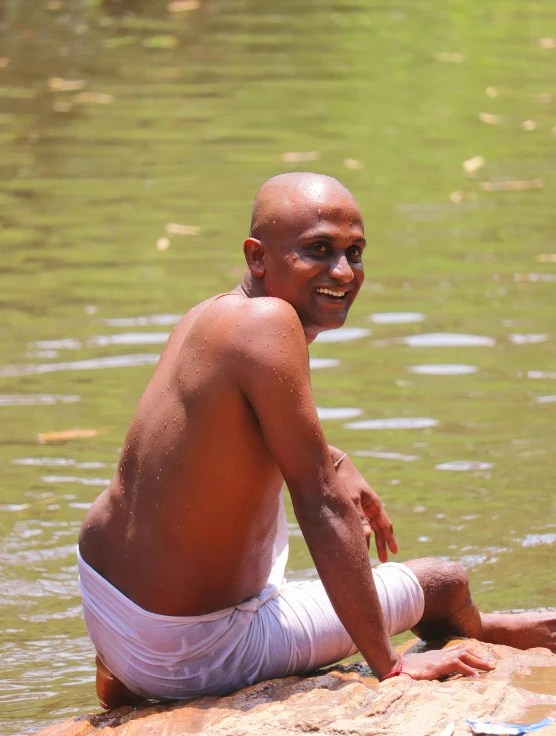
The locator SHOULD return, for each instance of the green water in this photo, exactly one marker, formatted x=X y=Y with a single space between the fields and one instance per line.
x=178 y=117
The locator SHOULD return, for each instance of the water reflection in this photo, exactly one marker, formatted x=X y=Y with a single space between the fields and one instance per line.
x=316 y=363
x=343 y=334
x=393 y=423
x=446 y=340
x=518 y=339
x=533 y=540
x=337 y=412
x=396 y=318
x=386 y=455
x=443 y=369
x=154 y=319
x=37 y=399
x=115 y=361
x=76 y=479
x=463 y=465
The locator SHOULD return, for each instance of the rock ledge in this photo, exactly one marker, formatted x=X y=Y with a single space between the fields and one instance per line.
x=344 y=700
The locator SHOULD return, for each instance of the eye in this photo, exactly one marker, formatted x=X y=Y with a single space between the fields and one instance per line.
x=355 y=254
x=318 y=248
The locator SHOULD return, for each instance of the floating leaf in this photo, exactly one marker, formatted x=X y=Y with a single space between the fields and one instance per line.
x=529 y=125
x=54 y=5
x=511 y=186
x=486 y=117
x=352 y=163
x=179 y=6
x=547 y=257
x=60 y=106
x=161 y=42
x=456 y=58
x=117 y=41
x=547 y=43
x=163 y=243
x=100 y=98
x=294 y=156
x=4 y=63
x=174 y=228
x=68 y=434
x=57 y=84
x=543 y=97
x=471 y=165
x=491 y=91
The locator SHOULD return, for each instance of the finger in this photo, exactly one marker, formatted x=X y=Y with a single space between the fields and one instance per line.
x=475 y=661
x=381 y=546
x=367 y=532
x=393 y=545
x=464 y=669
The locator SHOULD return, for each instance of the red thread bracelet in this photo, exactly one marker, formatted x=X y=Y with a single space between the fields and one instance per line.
x=398 y=670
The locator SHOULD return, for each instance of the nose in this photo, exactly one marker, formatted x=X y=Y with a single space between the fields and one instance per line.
x=340 y=270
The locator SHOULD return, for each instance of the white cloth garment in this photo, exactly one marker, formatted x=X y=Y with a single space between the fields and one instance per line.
x=289 y=628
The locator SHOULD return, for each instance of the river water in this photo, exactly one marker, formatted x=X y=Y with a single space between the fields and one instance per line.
x=133 y=137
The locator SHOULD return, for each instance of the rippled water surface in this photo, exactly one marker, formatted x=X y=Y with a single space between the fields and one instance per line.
x=132 y=141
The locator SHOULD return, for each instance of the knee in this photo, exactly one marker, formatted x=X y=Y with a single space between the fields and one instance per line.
x=444 y=583
x=453 y=580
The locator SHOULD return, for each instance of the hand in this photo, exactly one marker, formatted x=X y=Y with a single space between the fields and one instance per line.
x=371 y=511
x=458 y=659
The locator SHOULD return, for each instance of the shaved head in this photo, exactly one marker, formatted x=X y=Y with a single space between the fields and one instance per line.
x=286 y=197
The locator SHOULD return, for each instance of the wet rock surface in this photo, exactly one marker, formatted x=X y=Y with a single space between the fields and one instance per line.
x=348 y=700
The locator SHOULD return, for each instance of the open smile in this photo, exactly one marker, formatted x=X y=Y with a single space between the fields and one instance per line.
x=332 y=294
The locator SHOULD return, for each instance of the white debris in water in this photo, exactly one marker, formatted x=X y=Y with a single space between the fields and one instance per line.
x=545 y=399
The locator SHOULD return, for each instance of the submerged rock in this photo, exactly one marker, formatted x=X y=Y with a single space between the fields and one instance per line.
x=347 y=700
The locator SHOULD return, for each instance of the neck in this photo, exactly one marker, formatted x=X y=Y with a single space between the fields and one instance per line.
x=253 y=287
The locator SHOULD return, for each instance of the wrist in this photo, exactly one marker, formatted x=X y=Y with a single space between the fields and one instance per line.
x=396 y=671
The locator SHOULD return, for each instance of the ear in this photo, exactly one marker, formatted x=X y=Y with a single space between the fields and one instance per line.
x=254 y=255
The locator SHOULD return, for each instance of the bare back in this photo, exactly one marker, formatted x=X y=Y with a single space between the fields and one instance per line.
x=187 y=524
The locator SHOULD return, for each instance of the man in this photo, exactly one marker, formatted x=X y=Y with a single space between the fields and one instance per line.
x=182 y=557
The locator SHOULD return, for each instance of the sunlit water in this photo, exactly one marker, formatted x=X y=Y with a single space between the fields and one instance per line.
x=132 y=141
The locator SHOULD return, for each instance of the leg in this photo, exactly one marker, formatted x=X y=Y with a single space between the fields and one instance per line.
x=450 y=611
x=110 y=691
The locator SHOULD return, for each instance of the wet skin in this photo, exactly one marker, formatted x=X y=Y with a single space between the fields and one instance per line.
x=187 y=525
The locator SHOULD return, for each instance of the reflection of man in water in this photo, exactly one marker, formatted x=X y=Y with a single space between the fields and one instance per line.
x=183 y=556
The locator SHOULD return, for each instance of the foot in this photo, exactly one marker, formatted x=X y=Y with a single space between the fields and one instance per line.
x=521 y=630
x=111 y=692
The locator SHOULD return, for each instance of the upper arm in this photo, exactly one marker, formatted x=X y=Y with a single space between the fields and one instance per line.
x=273 y=373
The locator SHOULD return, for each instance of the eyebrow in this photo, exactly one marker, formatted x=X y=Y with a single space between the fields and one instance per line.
x=331 y=238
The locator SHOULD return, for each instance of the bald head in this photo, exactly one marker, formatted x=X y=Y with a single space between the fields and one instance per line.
x=286 y=197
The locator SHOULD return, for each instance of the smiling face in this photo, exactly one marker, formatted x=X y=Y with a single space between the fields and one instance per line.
x=310 y=240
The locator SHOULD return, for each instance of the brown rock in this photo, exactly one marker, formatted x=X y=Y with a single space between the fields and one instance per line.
x=347 y=700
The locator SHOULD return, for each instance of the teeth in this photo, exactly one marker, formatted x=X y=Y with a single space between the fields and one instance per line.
x=332 y=293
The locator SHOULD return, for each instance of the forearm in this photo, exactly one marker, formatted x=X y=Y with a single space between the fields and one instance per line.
x=337 y=545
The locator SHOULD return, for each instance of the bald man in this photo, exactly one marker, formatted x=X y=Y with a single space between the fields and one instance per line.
x=182 y=557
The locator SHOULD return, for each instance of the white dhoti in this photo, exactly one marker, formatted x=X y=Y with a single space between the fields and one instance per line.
x=289 y=628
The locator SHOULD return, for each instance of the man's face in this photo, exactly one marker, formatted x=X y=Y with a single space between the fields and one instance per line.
x=313 y=257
